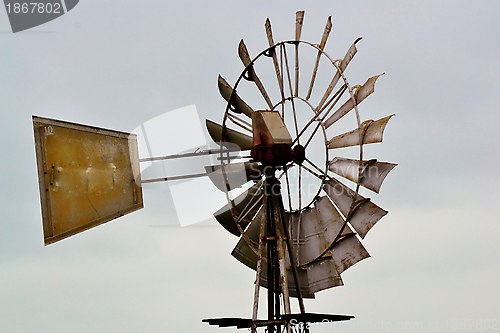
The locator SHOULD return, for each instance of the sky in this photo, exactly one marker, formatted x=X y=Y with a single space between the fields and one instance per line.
x=434 y=263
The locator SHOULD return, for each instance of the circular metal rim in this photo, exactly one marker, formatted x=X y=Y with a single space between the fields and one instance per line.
x=335 y=63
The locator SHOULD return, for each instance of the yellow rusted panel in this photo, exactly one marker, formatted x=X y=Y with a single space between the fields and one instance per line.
x=87 y=176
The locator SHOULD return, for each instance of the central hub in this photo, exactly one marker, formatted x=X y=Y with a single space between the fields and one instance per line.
x=271 y=139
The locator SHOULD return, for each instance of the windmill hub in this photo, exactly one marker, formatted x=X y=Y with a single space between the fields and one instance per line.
x=298 y=154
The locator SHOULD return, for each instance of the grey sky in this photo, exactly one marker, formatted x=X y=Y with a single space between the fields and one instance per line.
x=117 y=64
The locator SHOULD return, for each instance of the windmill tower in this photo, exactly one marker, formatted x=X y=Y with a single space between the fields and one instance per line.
x=296 y=152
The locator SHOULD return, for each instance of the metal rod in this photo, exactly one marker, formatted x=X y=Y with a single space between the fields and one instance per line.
x=269 y=181
x=259 y=267
x=281 y=256
x=292 y=260
x=164 y=179
x=196 y=153
x=240 y=122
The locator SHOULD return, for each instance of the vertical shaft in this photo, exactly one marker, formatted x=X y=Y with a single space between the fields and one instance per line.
x=271 y=247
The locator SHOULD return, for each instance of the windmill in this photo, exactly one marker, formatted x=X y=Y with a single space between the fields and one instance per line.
x=291 y=165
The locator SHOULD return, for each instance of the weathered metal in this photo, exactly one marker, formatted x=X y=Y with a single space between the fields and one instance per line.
x=229 y=135
x=342 y=65
x=371 y=132
x=239 y=105
x=306 y=249
x=272 y=141
x=360 y=94
x=251 y=75
x=362 y=213
x=227 y=177
x=321 y=47
x=369 y=174
x=87 y=176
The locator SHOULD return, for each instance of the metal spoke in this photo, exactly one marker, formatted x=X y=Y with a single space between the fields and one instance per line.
x=320 y=177
x=288 y=191
x=324 y=116
x=337 y=96
x=317 y=168
x=240 y=122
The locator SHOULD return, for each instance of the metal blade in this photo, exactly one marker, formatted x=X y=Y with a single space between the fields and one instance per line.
x=319 y=228
x=363 y=92
x=230 y=176
x=239 y=105
x=372 y=172
x=323 y=274
x=371 y=132
x=270 y=39
x=342 y=66
x=245 y=251
x=365 y=213
x=321 y=46
x=299 y=19
x=242 y=140
x=252 y=76
x=251 y=200
x=347 y=252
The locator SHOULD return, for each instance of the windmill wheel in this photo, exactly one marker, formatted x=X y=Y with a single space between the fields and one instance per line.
x=288 y=112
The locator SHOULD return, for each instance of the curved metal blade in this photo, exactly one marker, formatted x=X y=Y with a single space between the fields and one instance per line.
x=247 y=204
x=323 y=274
x=270 y=39
x=319 y=227
x=239 y=105
x=230 y=176
x=371 y=132
x=242 y=140
x=373 y=173
x=365 y=213
x=321 y=46
x=252 y=76
x=348 y=252
x=342 y=66
x=363 y=92
x=299 y=20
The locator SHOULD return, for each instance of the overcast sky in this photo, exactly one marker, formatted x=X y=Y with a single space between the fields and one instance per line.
x=117 y=64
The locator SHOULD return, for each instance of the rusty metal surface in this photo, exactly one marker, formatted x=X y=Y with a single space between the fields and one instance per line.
x=360 y=94
x=215 y=130
x=321 y=239
x=86 y=176
x=347 y=252
x=318 y=228
x=269 y=129
x=371 y=132
x=365 y=213
x=323 y=274
x=372 y=172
